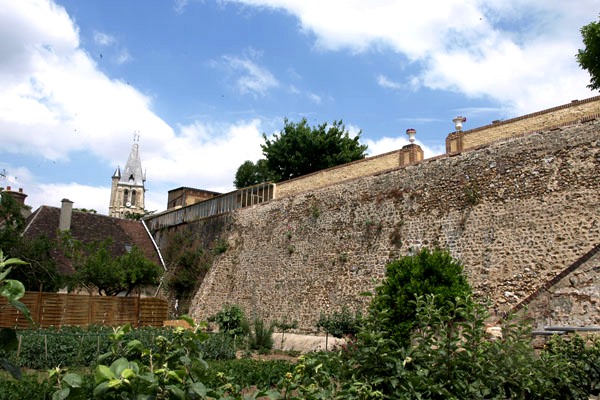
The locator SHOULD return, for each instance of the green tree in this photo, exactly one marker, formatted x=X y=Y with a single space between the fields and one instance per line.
x=249 y=174
x=96 y=267
x=589 y=57
x=40 y=270
x=426 y=272
x=12 y=221
x=299 y=149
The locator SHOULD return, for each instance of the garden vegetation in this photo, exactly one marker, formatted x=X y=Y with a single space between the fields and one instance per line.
x=444 y=354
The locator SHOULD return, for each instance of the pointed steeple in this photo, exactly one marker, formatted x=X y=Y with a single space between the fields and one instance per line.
x=133 y=173
x=127 y=189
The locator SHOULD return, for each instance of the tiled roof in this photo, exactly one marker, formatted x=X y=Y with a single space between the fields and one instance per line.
x=89 y=227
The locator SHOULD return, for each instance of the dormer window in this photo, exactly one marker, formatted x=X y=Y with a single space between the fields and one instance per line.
x=131 y=179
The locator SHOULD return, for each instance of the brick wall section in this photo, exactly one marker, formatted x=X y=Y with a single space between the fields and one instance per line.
x=541 y=120
x=516 y=213
x=365 y=167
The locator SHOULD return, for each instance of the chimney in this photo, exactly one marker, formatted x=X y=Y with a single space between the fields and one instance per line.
x=18 y=196
x=66 y=210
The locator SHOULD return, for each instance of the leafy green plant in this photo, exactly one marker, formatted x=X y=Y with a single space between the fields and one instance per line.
x=425 y=272
x=285 y=326
x=231 y=320
x=220 y=246
x=340 y=323
x=261 y=337
x=12 y=290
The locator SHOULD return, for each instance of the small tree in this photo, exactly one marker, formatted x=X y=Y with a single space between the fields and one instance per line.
x=589 y=57
x=426 y=272
x=95 y=266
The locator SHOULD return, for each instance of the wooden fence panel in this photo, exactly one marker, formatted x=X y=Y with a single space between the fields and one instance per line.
x=59 y=309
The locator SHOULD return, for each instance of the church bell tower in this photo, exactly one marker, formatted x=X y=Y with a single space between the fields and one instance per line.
x=127 y=190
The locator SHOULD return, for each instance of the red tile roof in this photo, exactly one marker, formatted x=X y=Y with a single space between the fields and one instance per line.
x=89 y=227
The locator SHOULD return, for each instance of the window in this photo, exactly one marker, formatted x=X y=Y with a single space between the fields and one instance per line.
x=133 y=197
x=125 y=197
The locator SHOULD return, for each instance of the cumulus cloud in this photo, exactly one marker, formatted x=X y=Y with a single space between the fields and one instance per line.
x=493 y=49
x=55 y=102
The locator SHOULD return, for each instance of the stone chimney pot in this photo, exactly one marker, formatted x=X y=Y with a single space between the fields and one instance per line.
x=66 y=211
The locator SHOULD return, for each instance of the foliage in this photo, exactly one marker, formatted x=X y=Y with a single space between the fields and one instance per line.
x=340 y=323
x=138 y=216
x=12 y=290
x=589 y=57
x=95 y=266
x=28 y=387
x=187 y=263
x=285 y=326
x=12 y=221
x=40 y=272
x=231 y=320
x=174 y=369
x=425 y=272
x=249 y=174
x=299 y=149
x=261 y=337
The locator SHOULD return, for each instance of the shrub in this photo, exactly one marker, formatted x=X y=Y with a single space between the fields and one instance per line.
x=261 y=337
x=231 y=320
x=426 y=272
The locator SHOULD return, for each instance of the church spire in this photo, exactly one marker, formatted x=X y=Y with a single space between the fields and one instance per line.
x=127 y=192
x=132 y=173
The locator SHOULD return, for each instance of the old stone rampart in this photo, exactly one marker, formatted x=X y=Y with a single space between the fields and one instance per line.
x=516 y=213
x=555 y=117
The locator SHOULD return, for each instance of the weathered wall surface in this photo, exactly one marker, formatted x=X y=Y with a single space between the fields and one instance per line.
x=368 y=166
x=572 y=298
x=553 y=117
x=515 y=213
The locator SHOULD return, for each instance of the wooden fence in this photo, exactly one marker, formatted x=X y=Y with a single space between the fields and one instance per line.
x=59 y=309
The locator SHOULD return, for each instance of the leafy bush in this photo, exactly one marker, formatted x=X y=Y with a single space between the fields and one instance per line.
x=340 y=324
x=261 y=337
x=28 y=387
x=231 y=320
x=219 y=346
x=426 y=272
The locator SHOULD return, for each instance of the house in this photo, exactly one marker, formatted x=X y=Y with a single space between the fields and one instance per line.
x=89 y=227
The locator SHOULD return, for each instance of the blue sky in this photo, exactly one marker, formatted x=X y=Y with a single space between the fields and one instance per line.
x=201 y=81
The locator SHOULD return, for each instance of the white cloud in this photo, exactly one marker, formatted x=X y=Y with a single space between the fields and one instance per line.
x=255 y=80
x=518 y=52
x=103 y=39
x=385 y=82
x=55 y=102
x=387 y=144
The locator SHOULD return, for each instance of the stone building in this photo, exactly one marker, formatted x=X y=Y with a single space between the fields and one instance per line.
x=127 y=190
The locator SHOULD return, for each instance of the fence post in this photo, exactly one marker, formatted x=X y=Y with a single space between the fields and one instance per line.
x=90 y=309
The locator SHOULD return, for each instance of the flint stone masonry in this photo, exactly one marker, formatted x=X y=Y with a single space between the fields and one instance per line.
x=516 y=213
x=573 y=301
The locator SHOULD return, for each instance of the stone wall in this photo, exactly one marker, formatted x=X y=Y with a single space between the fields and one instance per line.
x=365 y=167
x=516 y=213
x=577 y=110
x=571 y=298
